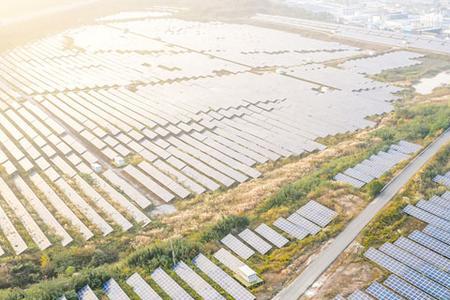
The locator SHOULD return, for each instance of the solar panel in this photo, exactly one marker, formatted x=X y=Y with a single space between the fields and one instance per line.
x=235 y=265
x=322 y=209
x=290 y=228
x=196 y=282
x=408 y=274
x=339 y=297
x=437 y=233
x=304 y=223
x=15 y=239
x=440 y=201
x=359 y=295
x=255 y=241
x=117 y=197
x=317 y=213
x=446 y=195
x=23 y=215
x=358 y=175
x=411 y=147
x=424 y=253
x=400 y=155
x=113 y=290
x=416 y=263
x=224 y=280
x=129 y=190
x=405 y=289
x=61 y=206
x=237 y=246
x=271 y=235
x=142 y=288
x=430 y=243
x=350 y=180
x=87 y=210
x=149 y=183
x=369 y=170
x=169 y=286
x=379 y=291
x=86 y=293
x=102 y=204
x=434 y=209
x=442 y=180
x=164 y=179
x=427 y=217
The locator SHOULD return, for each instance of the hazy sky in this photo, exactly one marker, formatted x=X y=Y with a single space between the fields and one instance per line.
x=14 y=8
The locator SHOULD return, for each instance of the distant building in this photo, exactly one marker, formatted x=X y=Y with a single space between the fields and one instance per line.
x=432 y=21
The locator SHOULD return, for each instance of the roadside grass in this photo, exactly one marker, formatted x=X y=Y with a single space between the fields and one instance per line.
x=391 y=222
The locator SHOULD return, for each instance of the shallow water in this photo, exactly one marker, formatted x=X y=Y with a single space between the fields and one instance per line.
x=427 y=85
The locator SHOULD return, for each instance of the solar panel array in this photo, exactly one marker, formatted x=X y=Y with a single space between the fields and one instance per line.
x=193 y=278
x=420 y=262
x=90 y=98
x=244 y=244
x=434 y=211
x=309 y=219
x=377 y=165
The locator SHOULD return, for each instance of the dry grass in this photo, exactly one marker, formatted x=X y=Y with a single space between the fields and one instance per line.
x=348 y=273
x=193 y=214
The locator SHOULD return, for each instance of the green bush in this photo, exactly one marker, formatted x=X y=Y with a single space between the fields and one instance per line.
x=25 y=273
x=374 y=188
x=224 y=227
x=162 y=255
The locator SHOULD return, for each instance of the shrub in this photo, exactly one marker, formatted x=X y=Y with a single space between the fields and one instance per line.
x=225 y=226
x=164 y=254
x=374 y=187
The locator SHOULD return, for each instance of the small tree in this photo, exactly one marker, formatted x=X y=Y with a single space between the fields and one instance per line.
x=374 y=188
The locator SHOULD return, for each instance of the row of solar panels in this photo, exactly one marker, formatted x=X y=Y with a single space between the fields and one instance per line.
x=171 y=288
x=377 y=165
x=44 y=145
x=420 y=263
x=309 y=219
x=443 y=179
